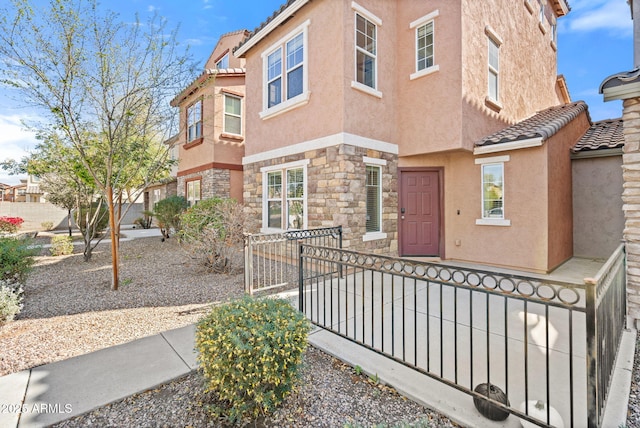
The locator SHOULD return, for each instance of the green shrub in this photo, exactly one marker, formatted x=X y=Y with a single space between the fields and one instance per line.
x=16 y=259
x=47 y=225
x=61 y=245
x=167 y=213
x=101 y=222
x=212 y=232
x=10 y=302
x=250 y=351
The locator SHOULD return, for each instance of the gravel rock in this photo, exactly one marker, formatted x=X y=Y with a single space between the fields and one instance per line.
x=70 y=310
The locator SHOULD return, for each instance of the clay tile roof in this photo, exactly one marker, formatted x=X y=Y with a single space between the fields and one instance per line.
x=543 y=124
x=275 y=14
x=605 y=134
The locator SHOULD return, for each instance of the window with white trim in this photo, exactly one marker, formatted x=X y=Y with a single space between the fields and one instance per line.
x=223 y=62
x=366 y=55
x=194 y=121
x=493 y=191
x=373 y=187
x=286 y=71
x=494 y=69
x=232 y=114
x=424 y=46
x=194 y=193
x=285 y=197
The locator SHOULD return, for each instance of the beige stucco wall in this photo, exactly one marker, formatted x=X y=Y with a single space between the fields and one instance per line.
x=528 y=63
x=523 y=245
x=597 y=206
x=323 y=114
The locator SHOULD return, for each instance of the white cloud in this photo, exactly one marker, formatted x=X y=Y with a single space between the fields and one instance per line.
x=151 y=8
x=611 y=15
x=15 y=141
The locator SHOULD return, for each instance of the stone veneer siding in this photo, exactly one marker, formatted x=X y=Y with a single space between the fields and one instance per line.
x=215 y=183
x=631 y=203
x=336 y=194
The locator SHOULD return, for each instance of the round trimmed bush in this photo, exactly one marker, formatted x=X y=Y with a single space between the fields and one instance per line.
x=250 y=352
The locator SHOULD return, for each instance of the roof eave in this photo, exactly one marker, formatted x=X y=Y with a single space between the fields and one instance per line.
x=269 y=27
x=621 y=86
x=513 y=145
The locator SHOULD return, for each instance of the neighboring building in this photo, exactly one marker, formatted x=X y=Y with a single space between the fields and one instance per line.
x=18 y=193
x=33 y=192
x=211 y=138
x=366 y=114
x=598 y=217
x=4 y=192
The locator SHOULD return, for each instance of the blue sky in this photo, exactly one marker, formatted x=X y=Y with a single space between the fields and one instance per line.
x=594 y=41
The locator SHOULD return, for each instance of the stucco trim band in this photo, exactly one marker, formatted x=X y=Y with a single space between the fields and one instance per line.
x=513 y=145
x=322 y=143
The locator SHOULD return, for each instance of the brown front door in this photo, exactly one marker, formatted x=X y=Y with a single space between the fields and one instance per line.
x=420 y=213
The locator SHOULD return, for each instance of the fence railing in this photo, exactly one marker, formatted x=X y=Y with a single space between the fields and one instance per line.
x=271 y=260
x=541 y=342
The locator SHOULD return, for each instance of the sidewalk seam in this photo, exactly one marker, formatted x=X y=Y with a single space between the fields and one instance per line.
x=176 y=352
x=24 y=397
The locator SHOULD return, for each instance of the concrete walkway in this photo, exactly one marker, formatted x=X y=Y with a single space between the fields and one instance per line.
x=54 y=392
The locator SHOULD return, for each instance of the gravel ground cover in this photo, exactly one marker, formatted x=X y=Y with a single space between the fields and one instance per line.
x=70 y=310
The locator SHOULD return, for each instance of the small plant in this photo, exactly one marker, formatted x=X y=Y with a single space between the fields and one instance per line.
x=10 y=302
x=358 y=370
x=10 y=224
x=146 y=221
x=212 y=232
x=16 y=259
x=375 y=379
x=250 y=351
x=47 y=225
x=168 y=212
x=61 y=245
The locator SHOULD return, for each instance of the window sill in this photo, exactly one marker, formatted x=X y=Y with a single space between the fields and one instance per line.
x=366 y=89
x=283 y=107
x=235 y=137
x=541 y=27
x=493 y=222
x=424 y=72
x=193 y=143
x=373 y=236
x=529 y=6
x=493 y=104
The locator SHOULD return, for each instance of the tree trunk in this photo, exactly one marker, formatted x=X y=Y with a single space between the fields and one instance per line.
x=69 y=220
x=114 y=238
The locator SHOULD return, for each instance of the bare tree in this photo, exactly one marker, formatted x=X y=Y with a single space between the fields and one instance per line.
x=103 y=87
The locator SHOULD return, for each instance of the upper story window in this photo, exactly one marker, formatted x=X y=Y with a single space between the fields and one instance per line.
x=366 y=51
x=366 y=34
x=285 y=72
x=194 y=121
x=223 y=62
x=232 y=114
x=425 y=45
x=494 y=69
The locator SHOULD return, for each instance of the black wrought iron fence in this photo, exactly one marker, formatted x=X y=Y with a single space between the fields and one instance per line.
x=271 y=260
x=549 y=346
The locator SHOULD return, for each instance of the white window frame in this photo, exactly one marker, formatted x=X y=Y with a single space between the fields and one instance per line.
x=283 y=168
x=193 y=123
x=299 y=100
x=492 y=161
x=197 y=196
x=416 y=25
x=228 y=114
x=377 y=163
x=221 y=62
x=493 y=71
x=377 y=22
